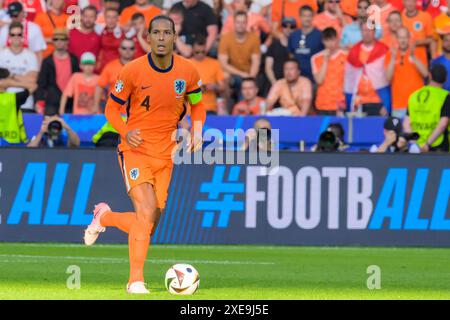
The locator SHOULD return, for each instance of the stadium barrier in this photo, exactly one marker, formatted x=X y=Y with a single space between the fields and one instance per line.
x=359 y=132
x=312 y=199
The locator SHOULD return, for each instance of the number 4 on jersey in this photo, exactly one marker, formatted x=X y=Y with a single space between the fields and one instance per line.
x=146 y=103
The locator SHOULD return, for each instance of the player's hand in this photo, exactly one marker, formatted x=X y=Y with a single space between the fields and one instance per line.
x=196 y=142
x=134 y=139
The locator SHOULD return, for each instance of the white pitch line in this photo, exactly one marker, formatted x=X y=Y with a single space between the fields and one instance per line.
x=120 y=260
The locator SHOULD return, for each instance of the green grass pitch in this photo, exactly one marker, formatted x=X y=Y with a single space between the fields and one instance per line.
x=38 y=271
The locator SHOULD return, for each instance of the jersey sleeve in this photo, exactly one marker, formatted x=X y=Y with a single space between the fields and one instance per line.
x=193 y=88
x=123 y=86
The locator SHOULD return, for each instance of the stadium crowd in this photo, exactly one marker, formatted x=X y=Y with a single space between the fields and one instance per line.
x=255 y=57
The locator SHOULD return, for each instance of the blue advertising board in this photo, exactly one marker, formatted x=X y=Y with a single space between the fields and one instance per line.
x=311 y=199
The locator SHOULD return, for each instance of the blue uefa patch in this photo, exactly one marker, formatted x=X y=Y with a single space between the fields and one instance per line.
x=180 y=86
x=134 y=174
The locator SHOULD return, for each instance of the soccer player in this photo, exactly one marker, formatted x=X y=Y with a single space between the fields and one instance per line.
x=155 y=87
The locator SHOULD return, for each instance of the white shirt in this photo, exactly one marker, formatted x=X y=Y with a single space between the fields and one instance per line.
x=19 y=64
x=35 y=38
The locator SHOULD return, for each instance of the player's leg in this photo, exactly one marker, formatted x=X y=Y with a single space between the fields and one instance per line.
x=162 y=182
x=120 y=220
x=145 y=203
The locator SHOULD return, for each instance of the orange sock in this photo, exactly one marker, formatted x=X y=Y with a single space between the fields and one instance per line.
x=120 y=220
x=138 y=243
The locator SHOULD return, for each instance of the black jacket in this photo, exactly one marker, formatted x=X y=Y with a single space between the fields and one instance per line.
x=47 y=88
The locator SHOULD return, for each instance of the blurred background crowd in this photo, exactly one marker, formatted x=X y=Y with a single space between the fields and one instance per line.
x=255 y=57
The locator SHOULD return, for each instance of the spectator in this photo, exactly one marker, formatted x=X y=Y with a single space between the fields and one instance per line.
x=289 y=9
x=441 y=26
x=110 y=38
x=141 y=6
x=31 y=7
x=199 y=19
x=32 y=35
x=111 y=71
x=168 y=4
x=49 y=21
x=256 y=22
x=328 y=70
x=183 y=44
x=406 y=69
x=444 y=59
x=294 y=92
x=52 y=135
x=4 y=17
x=250 y=104
x=211 y=73
x=351 y=34
x=420 y=25
x=305 y=42
x=429 y=112
x=239 y=52
x=101 y=19
x=278 y=52
x=434 y=8
x=85 y=39
x=394 y=21
x=21 y=63
x=385 y=9
x=394 y=139
x=332 y=16
x=259 y=138
x=140 y=32
x=365 y=83
x=349 y=7
x=12 y=129
x=55 y=74
x=81 y=87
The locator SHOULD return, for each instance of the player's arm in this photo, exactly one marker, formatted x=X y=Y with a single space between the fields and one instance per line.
x=118 y=97
x=198 y=113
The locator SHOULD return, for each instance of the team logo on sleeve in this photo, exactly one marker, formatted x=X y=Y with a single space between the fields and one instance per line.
x=179 y=86
x=119 y=86
x=134 y=174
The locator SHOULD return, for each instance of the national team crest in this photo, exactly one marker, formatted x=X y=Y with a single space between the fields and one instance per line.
x=119 y=86
x=179 y=86
x=134 y=174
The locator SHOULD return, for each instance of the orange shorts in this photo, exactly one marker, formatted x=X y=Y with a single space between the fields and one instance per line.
x=138 y=168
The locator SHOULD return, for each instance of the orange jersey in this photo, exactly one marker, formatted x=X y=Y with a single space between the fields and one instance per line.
x=156 y=101
x=330 y=94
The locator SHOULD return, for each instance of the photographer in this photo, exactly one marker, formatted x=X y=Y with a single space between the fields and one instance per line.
x=259 y=138
x=331 y=140
x=51 y=134
x=395 y=140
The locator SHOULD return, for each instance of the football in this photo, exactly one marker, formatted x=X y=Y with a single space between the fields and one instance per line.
x=182 y=279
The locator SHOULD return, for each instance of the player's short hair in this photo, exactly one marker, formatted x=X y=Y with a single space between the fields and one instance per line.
x=240 y=13
x=15 y=24
x=136 y=16
x=161 y=17
x=329 y=33
x=305 y=8
x=89 y=8
x=438 y=73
